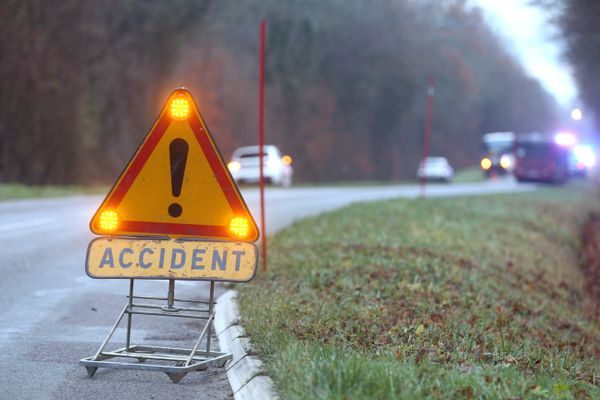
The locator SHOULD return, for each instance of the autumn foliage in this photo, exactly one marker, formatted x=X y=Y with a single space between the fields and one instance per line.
x=81 y=82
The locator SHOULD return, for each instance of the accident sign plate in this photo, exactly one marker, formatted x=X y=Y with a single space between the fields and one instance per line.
x=171 y=259
x=176 y=184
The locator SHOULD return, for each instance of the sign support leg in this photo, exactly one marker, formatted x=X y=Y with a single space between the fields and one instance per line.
x=112 y=331
x=186 y=360
x=171 y=295
x=129 y=316
x=211 y=304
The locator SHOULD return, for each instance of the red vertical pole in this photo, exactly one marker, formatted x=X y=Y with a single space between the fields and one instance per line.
x=428 y=117
x=261 y=142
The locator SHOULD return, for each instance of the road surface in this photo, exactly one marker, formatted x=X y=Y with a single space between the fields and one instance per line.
x=52 y=314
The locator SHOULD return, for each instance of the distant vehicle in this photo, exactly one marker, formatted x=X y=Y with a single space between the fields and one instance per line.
x=497 y=156
x=435 y=168
x=581 y=156
x=245 y=164
x=539 y=158
x=582 y=159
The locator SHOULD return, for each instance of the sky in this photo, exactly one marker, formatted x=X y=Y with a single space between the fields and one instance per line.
x=533 y=39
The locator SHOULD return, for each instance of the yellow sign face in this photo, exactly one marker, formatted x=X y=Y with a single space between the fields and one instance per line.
x=171 y=259
x=176 y=184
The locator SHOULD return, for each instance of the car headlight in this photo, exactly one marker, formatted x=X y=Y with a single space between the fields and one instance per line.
x=234 y=166
x=505 y=161
x=486 y=163
x=272 y=163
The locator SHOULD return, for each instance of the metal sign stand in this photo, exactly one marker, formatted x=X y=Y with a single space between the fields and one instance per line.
x=185 y=360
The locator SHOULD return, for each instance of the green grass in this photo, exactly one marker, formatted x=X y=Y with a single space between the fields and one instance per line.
x=351 y=184
x=446 y=298
x=9 y=191
x=467 y=175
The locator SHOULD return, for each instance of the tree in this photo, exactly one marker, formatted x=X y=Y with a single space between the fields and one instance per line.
x=346 y=82
x=580 y=24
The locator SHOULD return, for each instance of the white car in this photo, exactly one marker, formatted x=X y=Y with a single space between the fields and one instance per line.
x=435 y=168
x=245 y=162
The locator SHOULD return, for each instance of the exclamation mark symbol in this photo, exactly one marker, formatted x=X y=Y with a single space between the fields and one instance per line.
x=178 y=151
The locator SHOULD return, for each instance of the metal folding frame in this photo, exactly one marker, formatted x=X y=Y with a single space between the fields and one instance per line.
x=185 y=360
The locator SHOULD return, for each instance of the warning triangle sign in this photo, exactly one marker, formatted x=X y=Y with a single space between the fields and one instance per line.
x=176 y=184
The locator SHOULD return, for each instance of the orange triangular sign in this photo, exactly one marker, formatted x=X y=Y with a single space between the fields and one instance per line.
x=176 y=184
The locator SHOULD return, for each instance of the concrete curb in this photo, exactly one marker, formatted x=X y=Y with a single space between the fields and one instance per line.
x=244 y=370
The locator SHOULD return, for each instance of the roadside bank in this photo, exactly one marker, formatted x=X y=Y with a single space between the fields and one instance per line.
x=590 y=259
x=446 y=298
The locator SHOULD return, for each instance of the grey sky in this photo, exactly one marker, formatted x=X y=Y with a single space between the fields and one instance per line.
x=533 y=39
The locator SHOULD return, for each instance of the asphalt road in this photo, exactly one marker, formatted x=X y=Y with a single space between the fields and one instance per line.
x=52 y=314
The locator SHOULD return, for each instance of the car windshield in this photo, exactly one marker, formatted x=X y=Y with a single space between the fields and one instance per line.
x=498 y=146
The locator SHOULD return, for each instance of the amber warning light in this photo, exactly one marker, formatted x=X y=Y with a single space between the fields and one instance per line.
x=239 y=227
x=109 y=221
x=180 y=108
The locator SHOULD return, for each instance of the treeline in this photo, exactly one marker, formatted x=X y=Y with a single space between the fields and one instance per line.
x=81 y=82
x=580 y=23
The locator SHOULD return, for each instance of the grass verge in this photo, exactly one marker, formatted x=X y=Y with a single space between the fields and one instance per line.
x=9 y=191
x=477 y=297
x=468 y=175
